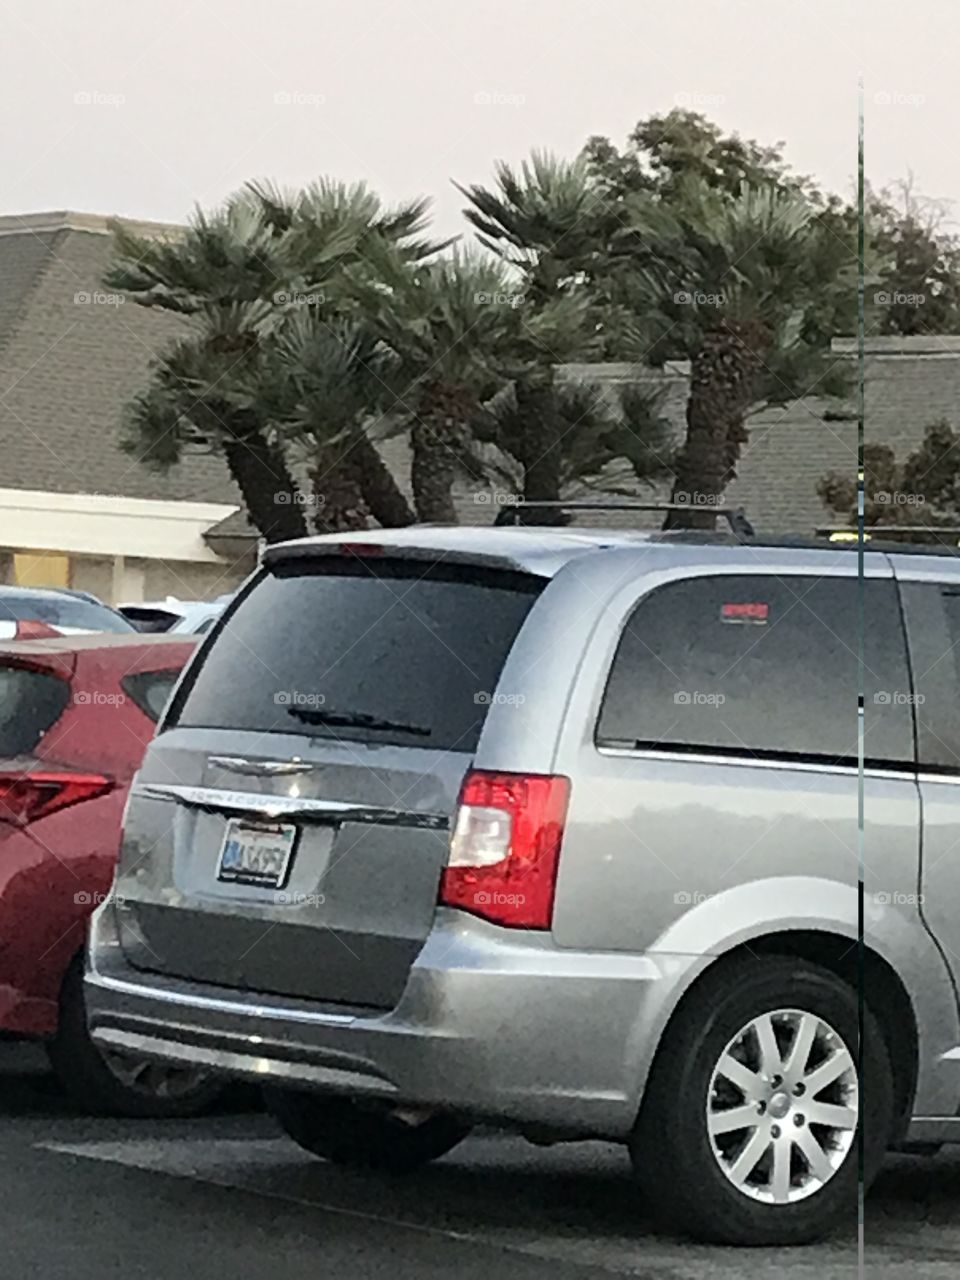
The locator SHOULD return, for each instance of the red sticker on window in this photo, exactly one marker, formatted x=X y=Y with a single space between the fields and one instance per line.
x=752 y=612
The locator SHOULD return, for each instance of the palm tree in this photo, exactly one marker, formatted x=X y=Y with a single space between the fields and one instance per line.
x=535 y=422
x=240 y=277
x=322 y=381
x=327 y=214
x=729 y=286
x=347 y=387
x=540 y=220
x=611 y=443
x=453 y=328
x=217 y=274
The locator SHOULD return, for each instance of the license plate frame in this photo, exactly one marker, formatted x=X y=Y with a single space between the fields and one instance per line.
x=257 y=854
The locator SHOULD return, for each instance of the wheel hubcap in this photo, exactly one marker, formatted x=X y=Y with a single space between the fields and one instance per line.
x=779 y=1106
x=782 y=1106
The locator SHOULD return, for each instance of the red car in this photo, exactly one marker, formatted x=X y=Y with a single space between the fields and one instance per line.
x=76 y=713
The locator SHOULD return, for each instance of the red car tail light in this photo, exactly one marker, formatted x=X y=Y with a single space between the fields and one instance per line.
x=505 y=847
x=24 y=797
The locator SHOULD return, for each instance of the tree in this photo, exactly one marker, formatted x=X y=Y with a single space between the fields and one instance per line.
x=537 y=220
x=363 y=376
x=217 y=274
x=741 y=321
x=611 y=443
x=452 y=326
x=725 y=259
x=921 y=491
x=320 y=382
x=667 y=152
x=243 y=277
x=919 y=286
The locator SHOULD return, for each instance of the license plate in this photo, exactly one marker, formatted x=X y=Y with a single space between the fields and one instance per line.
x=257 y=853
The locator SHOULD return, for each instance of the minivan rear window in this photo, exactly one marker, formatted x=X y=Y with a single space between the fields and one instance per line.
x=31 y=702
x=377 y=651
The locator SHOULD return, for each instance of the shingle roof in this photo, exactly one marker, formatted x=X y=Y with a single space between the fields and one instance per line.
x=71 y=358
x=22 y=261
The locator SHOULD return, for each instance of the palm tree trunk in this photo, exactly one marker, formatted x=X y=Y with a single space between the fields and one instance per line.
x=539 y=450
x=387 y=504
x=433 y=469
x=267 y=486
x=338 y=496
x=722 y=376
x=541 y=477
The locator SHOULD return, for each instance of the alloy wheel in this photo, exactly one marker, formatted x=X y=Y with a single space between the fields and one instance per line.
x=782 y=1106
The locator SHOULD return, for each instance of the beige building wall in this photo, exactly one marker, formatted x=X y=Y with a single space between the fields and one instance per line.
x=190 y=581
x=93 y=574
x=134 y=580
x=118 y=548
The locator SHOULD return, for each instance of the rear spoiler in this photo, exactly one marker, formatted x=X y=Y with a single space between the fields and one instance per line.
x=34 y=656
x=285 y=552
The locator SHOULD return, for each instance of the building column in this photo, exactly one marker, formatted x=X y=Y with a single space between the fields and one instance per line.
x=127 y=582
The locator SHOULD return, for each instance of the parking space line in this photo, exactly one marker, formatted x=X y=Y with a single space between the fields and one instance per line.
x=138 y=1154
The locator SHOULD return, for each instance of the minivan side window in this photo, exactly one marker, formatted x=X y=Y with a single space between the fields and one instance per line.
x=762 y=665
x=932 y=612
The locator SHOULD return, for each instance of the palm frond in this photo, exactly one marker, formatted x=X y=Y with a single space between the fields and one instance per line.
x=543 y=207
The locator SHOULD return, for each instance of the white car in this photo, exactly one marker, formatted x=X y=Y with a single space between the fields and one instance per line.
x=173 y=616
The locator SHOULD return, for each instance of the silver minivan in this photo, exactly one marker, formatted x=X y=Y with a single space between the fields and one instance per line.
x=558 y=831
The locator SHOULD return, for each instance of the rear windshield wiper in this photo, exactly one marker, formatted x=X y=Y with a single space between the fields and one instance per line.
x=356 y=720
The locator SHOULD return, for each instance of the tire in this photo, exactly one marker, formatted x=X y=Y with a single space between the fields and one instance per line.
x=131 y=1088
x=358 y=1135
x=696 y=1183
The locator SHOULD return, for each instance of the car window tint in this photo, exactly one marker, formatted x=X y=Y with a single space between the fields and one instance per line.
x=31 y=702
x=932 y=612
x=150 y=620
x=417 y=648
x=762 y=665
x=150 y=690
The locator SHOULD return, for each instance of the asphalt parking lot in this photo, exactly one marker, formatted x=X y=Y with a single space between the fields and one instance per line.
x=225 y=1197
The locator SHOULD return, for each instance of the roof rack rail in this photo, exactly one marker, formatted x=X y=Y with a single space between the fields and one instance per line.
x=916 y=534
x=735 y=517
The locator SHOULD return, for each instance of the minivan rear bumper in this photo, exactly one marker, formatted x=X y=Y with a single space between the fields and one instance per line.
x=493 y=1023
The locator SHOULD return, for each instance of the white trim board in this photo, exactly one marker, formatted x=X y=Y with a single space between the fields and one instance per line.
x=109 y=525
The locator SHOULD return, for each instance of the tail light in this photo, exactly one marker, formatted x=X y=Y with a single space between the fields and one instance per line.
x=360 y=548
x=25 y=797
x=505 y=848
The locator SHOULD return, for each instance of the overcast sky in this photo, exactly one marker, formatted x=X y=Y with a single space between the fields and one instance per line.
x=143 y=108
